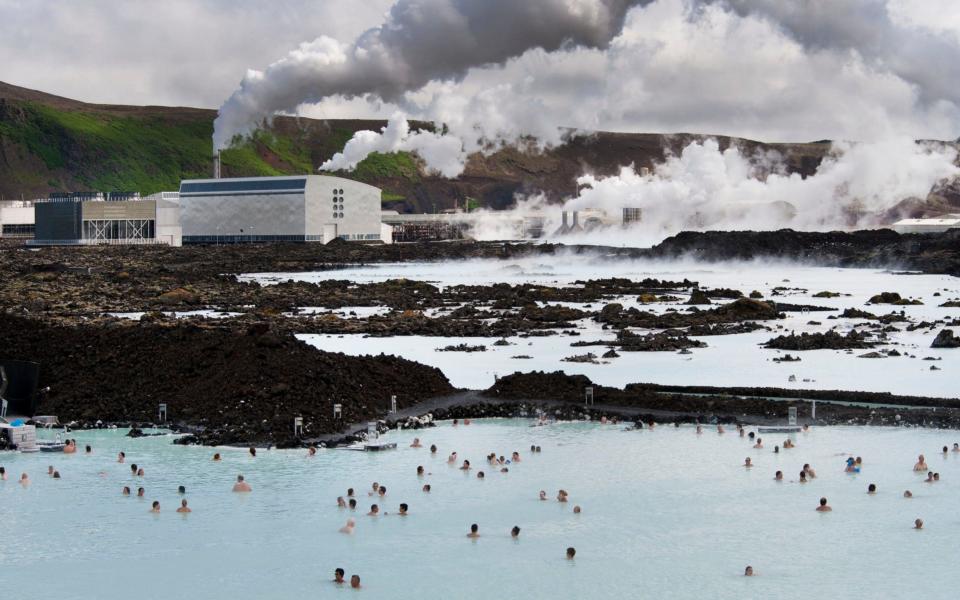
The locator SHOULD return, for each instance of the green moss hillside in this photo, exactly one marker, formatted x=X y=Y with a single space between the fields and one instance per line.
x=53 y=144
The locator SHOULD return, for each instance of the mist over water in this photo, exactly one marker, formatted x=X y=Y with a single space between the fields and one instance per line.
x=856 y=186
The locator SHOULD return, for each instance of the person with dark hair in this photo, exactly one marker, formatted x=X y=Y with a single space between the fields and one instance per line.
x=216 y=457
x=748 y=572
x=3 y=474
x=349 y=492
x=352 y=503
x=809 y=471
x=420 y=471
x=125 y=491
x=474 y=531
x=183 y=507
x=918 y=524
x=181 y=490
x=355 y=582
x=403 y=509
x=803 y=476
x=466 y=465
x=778 y=476
x=133 y=469
x=433 y=448
x=121 y=457
x=824 y=507
x=338 y=576
x=56 y=474
x=515 y=532
x=241 y=485
x=382 y=491
x=427 y=488
x=480 y=475
x=140 y=492
x=571 y=552
x=872 y=488
x=374 y=510
x=155 y=507
x=88 y=449
x=253 y=451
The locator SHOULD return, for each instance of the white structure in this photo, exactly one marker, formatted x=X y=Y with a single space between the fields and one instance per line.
x=303 y=208
x=16 y=219
x=934 y=225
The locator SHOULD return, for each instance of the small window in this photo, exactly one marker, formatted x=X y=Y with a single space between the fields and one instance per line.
x=341 y=191
x=341 y=215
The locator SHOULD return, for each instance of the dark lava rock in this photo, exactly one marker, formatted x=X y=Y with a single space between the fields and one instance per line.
x=856 y=313
x=872 y=355
x=787 y=358
x=211 y=377
x=698 y=297
x=951 y=304
x=946 y=339
x=610 y=312
x=589 y=357
x=463 y=348
x=891 y=298
x=756 y=295
x=611 y=353
x=819 y=341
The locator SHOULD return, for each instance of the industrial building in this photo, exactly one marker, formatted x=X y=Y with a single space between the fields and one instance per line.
x=304 y=208
x=16 y=219
x=932 y=225
x=119 y=218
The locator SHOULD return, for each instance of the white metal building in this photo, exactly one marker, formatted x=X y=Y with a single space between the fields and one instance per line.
x=303 y=208
x=16 y=219
x=933 y=225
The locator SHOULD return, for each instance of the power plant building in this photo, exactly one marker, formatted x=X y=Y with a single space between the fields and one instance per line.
x=304 y=208
x=89 y=219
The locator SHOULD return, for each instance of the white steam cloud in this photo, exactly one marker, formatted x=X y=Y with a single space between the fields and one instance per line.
x=420 y=41
x=495 y=72
x=704 y=188
x=443 y=154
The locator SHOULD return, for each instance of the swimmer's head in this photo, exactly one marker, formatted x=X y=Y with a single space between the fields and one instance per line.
x=748 y=572
x=576 y=510
x=403 y=508
x=239 y=478
x=918 y=524
x=352 y=503
x=872 y=488
x=908 y=494
x=480 y=475
x=181 y=490
x=515 y=532
x=426 y=487
x=823 y=501
x=571 y=552
x=474 y=528
x=433 y=448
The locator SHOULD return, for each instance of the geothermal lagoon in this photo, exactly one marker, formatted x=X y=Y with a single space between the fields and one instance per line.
x=727 y=360
x=665 y=513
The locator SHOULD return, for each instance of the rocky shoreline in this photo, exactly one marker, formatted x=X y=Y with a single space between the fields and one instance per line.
x=244 y=379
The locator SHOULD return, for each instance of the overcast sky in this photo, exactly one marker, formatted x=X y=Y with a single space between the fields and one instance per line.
x=768 y=69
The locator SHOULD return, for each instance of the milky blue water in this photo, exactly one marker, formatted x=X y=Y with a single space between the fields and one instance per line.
x=666 y=514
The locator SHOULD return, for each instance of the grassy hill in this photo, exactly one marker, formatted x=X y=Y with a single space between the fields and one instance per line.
x=49 y=143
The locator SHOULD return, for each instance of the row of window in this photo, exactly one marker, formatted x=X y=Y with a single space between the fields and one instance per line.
x=18 y=230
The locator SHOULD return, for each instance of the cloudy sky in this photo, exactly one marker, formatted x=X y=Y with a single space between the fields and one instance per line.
x=500 y=69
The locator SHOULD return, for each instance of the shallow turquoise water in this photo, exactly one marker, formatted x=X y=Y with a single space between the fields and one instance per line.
x=666 y=513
